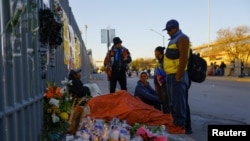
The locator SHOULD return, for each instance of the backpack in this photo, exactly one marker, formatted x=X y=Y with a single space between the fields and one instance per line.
x=197 y=68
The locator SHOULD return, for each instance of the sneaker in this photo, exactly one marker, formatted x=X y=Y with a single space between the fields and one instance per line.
x=189 y=130
x=176 y=130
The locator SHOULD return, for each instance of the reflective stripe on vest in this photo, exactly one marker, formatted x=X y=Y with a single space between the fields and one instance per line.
x=170 y=65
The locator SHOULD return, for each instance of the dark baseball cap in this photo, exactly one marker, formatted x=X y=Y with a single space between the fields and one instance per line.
x=171 y=24
x=74 y=71
x=117 y=40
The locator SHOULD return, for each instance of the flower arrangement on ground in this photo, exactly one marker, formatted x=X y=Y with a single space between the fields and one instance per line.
x=57 y=107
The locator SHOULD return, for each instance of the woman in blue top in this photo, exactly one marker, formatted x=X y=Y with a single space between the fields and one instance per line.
x=160 y=80
x=146 y=93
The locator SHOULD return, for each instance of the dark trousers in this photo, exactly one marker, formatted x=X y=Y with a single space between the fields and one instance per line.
x=188 y=116
x=118 y=77
x=163 y=96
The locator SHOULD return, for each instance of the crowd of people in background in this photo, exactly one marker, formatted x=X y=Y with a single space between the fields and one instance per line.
x=219 y=70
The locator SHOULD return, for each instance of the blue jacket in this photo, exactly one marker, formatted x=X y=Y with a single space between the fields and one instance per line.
x=146 y=93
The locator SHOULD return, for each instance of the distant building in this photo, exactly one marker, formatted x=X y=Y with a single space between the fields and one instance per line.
x=217 y=57
x=99 y=64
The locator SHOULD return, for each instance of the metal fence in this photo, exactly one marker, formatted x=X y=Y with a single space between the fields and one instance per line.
x=22 y=74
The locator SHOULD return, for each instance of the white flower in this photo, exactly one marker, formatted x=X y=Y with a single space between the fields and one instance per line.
x=55 y=102
x=66 y=99
x=63 y=90
x=55 y=118
x=70 y=82
x=66 y=81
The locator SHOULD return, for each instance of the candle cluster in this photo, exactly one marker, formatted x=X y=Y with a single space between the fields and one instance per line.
x=92 y=129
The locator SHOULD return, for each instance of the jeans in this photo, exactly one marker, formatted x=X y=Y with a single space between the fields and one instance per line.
x=222 y=71
x=177 y=97
x=214 y=71
x=188 y=115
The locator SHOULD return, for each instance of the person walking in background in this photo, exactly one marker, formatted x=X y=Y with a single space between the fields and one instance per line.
x=231 y=72
x=145 y=92
x=222 y=68
x=175 y=65
x=241 y=69
x=160 y=80
x=149 y=72
x=214 y=69
x=137 y=72
x=116 y=62
x=210 y=72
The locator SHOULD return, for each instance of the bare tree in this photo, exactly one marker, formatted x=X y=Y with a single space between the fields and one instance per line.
x=143 y=63
x=235 y=42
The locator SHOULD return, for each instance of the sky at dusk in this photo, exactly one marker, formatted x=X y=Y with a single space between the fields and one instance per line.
x=139 y=23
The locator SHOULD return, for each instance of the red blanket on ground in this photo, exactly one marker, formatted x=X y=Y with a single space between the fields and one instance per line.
x=124 y=106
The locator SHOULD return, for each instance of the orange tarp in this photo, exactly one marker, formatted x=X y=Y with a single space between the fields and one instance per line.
x=124 y=106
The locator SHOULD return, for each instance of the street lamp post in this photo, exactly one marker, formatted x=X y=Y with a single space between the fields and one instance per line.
x=163 y=37
x=86 y=28
x=208 y=24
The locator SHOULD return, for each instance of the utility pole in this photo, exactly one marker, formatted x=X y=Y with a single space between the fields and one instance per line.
x=108 y=40
x=86 y=28
x=208 y=24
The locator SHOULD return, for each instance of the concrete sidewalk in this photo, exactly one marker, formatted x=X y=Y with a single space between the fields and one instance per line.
x=229 y=78
x=199 y=122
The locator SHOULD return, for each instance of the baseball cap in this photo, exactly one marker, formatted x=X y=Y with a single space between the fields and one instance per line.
x=171 y=24
x=117 y=40
x=74 y=71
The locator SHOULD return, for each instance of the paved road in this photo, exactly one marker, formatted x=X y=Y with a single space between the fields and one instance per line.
x=209 y=102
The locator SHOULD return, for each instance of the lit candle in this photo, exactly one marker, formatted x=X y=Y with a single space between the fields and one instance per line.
x=115 y=134
x=105 y=136
x=85 y=136
x=94 y=137
x=122 y=139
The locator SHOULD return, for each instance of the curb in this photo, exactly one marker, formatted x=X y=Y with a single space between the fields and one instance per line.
x=238 y=79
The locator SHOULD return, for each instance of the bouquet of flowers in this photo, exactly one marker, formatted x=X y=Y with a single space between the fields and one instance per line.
x=57 y=107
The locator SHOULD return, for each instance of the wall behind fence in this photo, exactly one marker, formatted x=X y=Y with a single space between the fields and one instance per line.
x=22 y=78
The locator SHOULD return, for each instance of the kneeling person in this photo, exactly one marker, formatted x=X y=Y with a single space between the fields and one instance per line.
x=145 y=92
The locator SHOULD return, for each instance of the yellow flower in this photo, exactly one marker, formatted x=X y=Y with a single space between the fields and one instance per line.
x=49 y=110
x=64 y=115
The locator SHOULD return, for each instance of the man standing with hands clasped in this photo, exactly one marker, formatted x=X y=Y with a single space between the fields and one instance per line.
x=175 y=66
x=116 y=63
